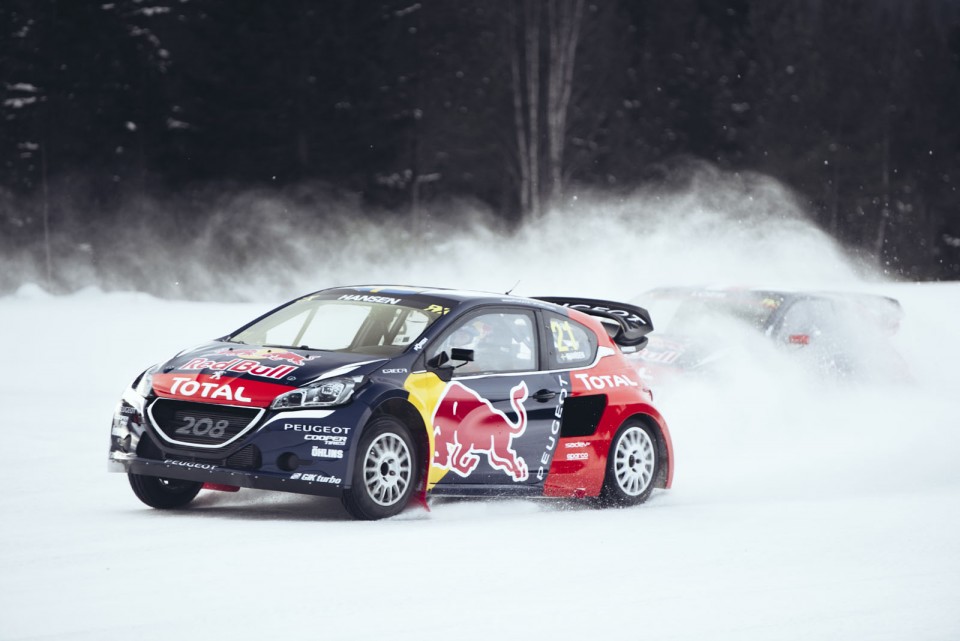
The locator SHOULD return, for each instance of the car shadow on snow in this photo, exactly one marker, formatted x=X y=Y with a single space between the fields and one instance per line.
x=254 y=505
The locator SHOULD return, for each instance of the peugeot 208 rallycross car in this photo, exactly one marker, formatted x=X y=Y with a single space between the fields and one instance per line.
x=383 y=394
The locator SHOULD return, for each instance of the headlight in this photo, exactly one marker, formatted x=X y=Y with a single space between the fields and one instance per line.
x=335 y=391
x=144 y=383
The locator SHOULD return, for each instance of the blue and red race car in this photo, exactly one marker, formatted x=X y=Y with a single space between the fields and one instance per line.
x=383 y=395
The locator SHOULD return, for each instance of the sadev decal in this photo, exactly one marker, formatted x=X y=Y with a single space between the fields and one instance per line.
x=465 y=424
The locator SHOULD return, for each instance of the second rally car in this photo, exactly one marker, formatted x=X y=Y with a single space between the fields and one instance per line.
x=381 y=394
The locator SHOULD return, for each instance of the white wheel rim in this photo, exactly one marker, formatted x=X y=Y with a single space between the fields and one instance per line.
x=634 y=460
x=387 y=469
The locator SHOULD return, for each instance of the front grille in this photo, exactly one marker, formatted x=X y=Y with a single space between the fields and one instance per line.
x=201 y=424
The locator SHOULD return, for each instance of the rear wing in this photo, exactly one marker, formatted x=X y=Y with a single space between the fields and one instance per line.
x=632 y=323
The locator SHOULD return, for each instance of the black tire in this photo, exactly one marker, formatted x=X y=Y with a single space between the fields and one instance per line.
x=633 y=465
x=162 y=493
x=385 y=473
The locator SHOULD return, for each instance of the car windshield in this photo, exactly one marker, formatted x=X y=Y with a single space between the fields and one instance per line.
x=353 y=326
x=684 y=311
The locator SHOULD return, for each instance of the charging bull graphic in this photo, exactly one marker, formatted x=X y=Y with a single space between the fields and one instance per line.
x=466 y=424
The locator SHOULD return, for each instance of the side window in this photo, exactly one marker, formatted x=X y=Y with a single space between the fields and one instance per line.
x=501 y=342
x=573 y=345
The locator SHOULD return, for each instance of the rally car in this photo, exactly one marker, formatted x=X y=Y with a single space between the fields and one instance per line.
x=837 y=334
x=383 y=395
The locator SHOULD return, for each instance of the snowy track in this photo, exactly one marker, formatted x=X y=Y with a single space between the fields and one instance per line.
x=799 y=511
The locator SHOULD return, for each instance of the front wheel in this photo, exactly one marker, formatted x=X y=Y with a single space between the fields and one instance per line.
x=161 y=493
x=385 y=472
x=632 y=466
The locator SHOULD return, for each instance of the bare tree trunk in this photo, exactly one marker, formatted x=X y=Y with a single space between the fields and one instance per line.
x=302 y=109
x=47 y=119
x=885 y=185
x=532 y=53
x=541 y=120
x=48 y=259
x=564 y=19
x=834 y=202
x=519 y=119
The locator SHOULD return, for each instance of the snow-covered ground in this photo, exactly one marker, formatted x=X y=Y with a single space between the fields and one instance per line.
x=800 y=509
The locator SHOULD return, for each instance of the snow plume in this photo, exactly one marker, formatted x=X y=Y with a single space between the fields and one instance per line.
x=708 y=227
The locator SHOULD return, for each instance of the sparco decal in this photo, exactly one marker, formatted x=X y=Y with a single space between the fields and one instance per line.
x=466 y=424
x=187 y=387
x=240 y=366
x=316 y=429
x=554 y=429
x=190 y=464
x=605 y=381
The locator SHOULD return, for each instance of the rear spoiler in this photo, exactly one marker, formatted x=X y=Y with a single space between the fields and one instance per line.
x=633 y=323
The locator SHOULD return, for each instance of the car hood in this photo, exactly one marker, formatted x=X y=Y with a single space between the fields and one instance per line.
x=669 y=354
x=681 y=352
x=239 y=374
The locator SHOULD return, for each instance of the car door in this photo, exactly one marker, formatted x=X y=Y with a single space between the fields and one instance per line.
x=492 y=423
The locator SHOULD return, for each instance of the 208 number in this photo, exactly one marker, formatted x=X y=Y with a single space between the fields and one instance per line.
x=203 y=427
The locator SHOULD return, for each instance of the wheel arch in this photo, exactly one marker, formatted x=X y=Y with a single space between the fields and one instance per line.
x=664 y=477
x=405 y=412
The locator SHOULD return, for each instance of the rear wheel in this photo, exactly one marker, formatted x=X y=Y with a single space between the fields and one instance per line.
x=162 y=493
x=385 y=472
x=632 y=466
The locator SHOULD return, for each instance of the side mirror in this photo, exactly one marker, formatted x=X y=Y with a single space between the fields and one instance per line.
x=461 y=354
x=440 y=364
x=439 y=360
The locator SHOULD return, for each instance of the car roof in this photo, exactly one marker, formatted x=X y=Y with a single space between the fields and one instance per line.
x=443 y=293
x=786 y=294
x=882 y=310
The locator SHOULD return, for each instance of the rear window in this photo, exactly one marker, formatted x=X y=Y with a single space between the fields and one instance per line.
x=572 y=345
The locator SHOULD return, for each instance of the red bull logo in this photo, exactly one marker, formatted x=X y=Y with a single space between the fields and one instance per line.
x=466 y=425
x=239 y=366
x=267 y=354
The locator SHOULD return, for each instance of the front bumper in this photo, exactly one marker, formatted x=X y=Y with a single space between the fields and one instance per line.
x=298 y=482
x=298 y=451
